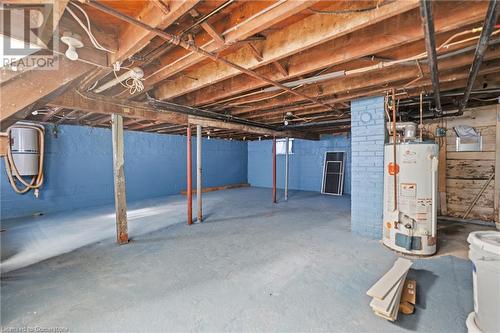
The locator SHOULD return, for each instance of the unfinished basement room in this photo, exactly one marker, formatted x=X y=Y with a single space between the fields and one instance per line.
x=250 y=166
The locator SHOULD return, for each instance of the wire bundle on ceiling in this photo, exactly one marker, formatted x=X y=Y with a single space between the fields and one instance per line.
x=133 y=84
x=87 y=27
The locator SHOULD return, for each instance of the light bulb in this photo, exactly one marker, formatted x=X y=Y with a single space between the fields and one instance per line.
x=71 y=53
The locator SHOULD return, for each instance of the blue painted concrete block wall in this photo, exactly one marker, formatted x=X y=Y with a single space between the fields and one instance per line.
x=78 y=169
x=368 y=137
x=306 y=163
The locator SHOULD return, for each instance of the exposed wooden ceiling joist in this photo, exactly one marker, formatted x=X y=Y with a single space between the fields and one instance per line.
x=389 y=34
x=137 y=110
x=33 y=85
x=313 y=30
x=252 y=23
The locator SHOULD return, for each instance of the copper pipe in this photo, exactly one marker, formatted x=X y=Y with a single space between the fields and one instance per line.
x=191 y=47
x=189 y=178
x=274 y=170
x=421 y=126
x=394 y=136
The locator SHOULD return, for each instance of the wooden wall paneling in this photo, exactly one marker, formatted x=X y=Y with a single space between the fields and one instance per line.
x=497 y=169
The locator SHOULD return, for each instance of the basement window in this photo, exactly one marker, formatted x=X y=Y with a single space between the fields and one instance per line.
x=281 y=146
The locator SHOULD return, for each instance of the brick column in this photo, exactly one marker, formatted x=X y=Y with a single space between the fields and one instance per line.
x=367 y=184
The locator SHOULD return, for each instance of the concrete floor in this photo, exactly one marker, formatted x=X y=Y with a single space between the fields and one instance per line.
x=251 y=266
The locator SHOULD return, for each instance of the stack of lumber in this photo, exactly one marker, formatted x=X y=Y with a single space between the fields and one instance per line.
x=408 y=297
x=386 y=292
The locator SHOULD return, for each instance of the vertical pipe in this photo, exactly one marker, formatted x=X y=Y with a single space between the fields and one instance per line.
x=189 y=178
x=274 y=170
x=482 y=46
x=198 y=172
x=394 y=137
x=119 y=179
x=430 y=47
x=286 y=168
x=421 y=125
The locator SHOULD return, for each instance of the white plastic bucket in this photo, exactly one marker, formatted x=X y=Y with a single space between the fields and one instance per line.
x=484 y=252
x=471 y=323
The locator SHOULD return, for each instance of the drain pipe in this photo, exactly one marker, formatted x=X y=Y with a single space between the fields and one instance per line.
x=286 y=167
x=430 y=46
x=482 y=45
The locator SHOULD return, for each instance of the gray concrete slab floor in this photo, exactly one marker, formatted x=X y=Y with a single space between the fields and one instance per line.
x=250 y=266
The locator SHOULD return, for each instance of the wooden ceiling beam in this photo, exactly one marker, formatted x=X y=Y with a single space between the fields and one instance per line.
x=280 y=68
x=67 y=116
x=51 y=113
x=219 y=40
x=136 y=110
x=134 y=38
x=389 y=34
x=374 y=77
x=33 y=85
x=452 y=80
x=252 y=22
x=249 y=129
x=106 y=105
x=313 y=30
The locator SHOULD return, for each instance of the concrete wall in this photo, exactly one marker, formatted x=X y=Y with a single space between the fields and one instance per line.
x=78 y=169
x=368 y=137
x=306 y=164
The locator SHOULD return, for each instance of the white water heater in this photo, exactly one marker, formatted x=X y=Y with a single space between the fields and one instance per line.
x=410 y=197
x=25 y=150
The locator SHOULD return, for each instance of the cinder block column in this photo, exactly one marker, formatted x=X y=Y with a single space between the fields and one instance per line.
x=367 y=187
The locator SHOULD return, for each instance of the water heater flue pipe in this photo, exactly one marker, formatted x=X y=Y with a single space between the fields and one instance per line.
x=10 y=166
x=435 y=163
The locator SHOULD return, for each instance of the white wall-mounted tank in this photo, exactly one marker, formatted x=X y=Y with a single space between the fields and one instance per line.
x=410 y=221
x=25 y=150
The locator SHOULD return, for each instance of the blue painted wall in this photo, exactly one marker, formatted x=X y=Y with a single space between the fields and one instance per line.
x=306 y=164
x=78 y=169
x=368 y=137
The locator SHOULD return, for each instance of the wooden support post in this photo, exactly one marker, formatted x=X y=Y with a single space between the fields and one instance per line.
x=274 y=170
x=198 y=173
x=189 y=178
x=443 y=207
x=497 y=170
x=4 y=144
x=286 y=167
x=119 y=179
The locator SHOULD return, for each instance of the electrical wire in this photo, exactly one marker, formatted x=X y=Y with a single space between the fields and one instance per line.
x=133 y=84
x=447 y=44
x=87 y=27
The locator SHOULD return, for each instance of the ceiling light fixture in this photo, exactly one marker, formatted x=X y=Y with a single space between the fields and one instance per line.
x=74 y=42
